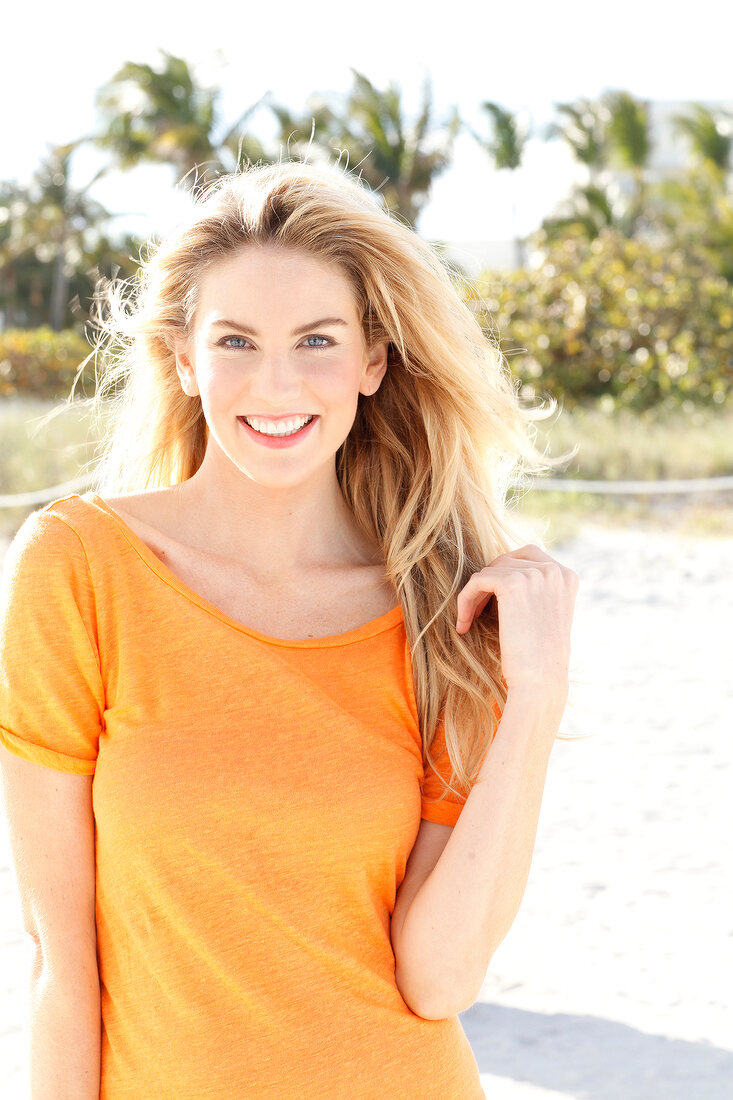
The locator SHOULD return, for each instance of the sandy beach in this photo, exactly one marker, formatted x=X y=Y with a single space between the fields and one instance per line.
x=614 y=983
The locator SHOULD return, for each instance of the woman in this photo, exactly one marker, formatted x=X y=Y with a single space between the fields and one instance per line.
x=267 y=852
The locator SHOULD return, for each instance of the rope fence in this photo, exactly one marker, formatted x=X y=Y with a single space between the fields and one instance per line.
x=545 y=484
x=43 y=496
x=632 y=488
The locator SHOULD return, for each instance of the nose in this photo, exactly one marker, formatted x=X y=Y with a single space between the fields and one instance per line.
x=275 y=383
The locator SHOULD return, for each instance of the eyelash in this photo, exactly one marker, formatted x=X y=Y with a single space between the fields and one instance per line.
x=311 y=336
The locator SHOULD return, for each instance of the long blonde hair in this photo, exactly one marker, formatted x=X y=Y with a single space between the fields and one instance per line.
x=426 y=465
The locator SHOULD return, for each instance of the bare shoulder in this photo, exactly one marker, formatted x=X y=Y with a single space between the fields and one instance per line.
x=149 y=512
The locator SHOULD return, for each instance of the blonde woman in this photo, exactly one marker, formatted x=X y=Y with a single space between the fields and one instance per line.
x=277 y=696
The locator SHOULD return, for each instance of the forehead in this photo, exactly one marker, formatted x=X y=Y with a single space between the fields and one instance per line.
x=274 y=280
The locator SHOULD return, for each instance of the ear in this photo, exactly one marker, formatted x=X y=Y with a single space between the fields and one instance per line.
x=185 y=369
x=374 y=368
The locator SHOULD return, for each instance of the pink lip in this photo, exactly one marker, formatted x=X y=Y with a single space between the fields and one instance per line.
x=277 y=442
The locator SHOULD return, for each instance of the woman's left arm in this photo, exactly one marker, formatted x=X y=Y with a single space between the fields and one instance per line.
x=466 y=905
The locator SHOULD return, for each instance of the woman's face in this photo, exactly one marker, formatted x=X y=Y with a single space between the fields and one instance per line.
x=278 y=358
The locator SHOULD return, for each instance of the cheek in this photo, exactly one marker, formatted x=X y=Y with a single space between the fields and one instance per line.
x=218 y=377
x=337 y=381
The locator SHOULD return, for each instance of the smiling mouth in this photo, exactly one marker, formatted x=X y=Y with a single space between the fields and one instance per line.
x=285 y=426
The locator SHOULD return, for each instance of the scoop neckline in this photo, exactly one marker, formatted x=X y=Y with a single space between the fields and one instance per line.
x=369 y=629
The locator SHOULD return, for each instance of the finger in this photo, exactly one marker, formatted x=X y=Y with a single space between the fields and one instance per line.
x=482 y=604
x=492 y=580
x=495 y=575
x=526 y=553
x=466 y=615
x=474 y=596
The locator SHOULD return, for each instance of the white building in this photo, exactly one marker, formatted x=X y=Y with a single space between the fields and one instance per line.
x=671 y=151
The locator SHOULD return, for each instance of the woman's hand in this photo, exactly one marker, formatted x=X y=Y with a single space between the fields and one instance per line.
x=535 y=598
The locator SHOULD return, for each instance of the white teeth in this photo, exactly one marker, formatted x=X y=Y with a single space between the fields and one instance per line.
x=277 y=427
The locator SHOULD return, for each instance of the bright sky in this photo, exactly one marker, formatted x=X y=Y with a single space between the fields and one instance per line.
x=526 y=56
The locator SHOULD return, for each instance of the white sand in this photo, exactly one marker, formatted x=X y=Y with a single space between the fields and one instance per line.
x=615 y=981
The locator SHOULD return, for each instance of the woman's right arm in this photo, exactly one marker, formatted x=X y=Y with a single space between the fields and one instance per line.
x=51 y=828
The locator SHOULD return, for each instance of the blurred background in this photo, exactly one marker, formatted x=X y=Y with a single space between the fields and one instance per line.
x=574 y=166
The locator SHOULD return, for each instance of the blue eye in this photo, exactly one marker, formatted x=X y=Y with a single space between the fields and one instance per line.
x=226 y=342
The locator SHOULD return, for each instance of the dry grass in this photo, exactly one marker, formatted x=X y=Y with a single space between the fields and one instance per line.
x=555 y=517
x=621 y=446
x=650 y=445
x=33 y=455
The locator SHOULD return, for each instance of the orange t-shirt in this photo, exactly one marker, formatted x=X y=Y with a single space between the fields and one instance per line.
x=255 y=802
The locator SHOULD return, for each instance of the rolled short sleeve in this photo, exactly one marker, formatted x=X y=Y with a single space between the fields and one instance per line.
x=448 y=809
x=51 y=688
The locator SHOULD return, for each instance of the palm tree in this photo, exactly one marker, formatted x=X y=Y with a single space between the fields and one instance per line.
x=16 y=272
x=614 y=130
x=630 y=146
x=72 y=215
x=583 y=126
x=628 y=129
x=710 y=136
x=399 y=160
x=588 y=209
x=506 y=148
x=163 y=115
x=52 y=244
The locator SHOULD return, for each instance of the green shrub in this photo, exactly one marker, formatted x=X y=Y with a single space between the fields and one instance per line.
x=614 y=319
x=43 y=363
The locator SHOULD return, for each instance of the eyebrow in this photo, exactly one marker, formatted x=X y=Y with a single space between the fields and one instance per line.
x=296 y=332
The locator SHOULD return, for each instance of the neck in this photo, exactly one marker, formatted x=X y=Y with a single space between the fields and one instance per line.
x=280 y=533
